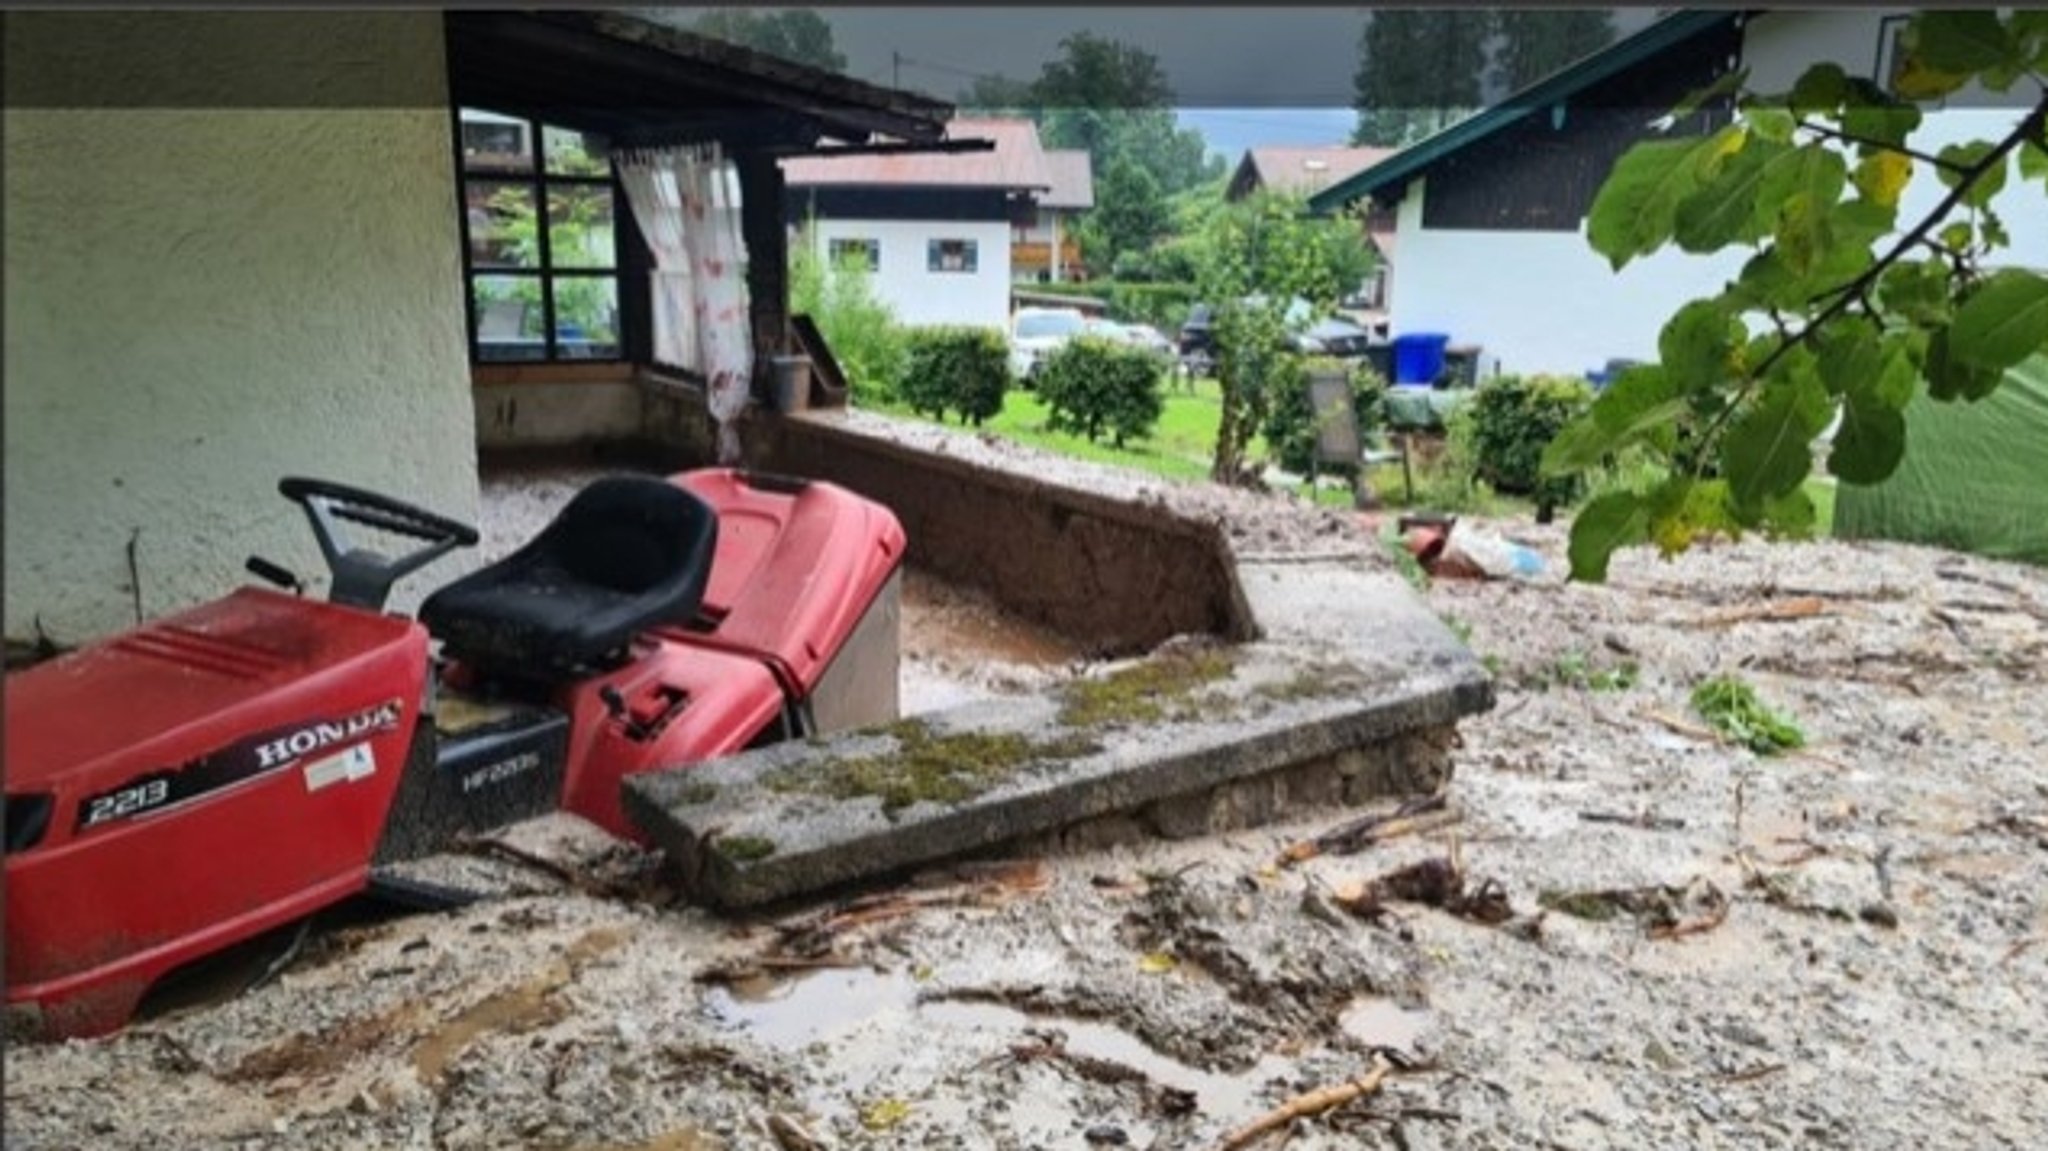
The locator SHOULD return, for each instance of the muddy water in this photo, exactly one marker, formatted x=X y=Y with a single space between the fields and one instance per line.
x=957 y=646
x=843 y=1016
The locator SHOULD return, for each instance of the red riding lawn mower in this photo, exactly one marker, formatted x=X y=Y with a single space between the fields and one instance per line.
x=216 y=774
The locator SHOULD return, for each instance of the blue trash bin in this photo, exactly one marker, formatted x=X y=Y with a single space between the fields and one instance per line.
x=1419 y=357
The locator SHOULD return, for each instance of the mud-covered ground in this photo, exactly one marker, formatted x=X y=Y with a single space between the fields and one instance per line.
x=1851 y=954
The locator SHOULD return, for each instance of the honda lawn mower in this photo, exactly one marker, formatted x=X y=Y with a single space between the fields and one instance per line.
x=218 y=773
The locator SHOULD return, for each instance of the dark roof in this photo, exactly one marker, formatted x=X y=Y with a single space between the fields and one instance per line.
x=1413 y=160
x=1016 y=163
x=640 y=82
x=1073 y=180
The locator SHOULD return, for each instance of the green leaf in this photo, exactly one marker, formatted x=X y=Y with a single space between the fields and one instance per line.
x=1769 y=122
x=1917 y=291
x=1802 y=234
x=1814 y=170
x=1767 y=451
x=1897 y=379
x=1849 y=357
x=1956 y=235
x=2003 y=322
x=1821 y=88
x=1701 y=97
x=1987 y=183
x=1725 y=208
x=2033 y=162
x=1873 y=114
x=1954 y=41
x=1950 y=378
x=1632 y=214
x=1635 y=406
x=1694 y=346
x=1683 y=510
x=1871 y=439
x=1791 y=515
x=1605 y=525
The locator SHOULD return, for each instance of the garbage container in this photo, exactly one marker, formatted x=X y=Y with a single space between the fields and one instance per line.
x=792 y=383
x=1419 y=357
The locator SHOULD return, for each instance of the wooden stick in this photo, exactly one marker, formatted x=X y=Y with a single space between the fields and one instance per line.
x=1776 y=611
x=1304 y=1106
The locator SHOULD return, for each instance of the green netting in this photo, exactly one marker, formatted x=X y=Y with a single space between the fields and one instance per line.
x=1975 y=476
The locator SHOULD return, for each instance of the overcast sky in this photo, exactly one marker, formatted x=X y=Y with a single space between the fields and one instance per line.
x=1243 y=75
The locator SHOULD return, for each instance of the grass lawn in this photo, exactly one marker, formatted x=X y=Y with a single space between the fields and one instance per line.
x=1179 y=448
x=1183 y=443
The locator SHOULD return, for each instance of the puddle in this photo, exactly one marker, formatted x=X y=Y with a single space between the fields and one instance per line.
x=1384 y=1023
x=517 y=1009
x=861 y=1005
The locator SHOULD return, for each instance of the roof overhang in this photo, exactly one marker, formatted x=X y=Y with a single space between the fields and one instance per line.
x=1397 y=170
x=640 y=83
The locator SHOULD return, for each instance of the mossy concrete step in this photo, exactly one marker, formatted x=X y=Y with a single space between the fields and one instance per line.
x=1350 y=661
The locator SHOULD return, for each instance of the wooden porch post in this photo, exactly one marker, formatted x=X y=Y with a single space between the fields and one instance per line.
x=767 y=237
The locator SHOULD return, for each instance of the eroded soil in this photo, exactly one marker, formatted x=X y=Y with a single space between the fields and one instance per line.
x=1876 y=980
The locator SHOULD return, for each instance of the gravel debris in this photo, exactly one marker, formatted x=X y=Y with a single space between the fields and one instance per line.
x=1876 y=982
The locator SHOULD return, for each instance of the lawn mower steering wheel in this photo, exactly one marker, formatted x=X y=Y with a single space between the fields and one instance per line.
x=362 y=577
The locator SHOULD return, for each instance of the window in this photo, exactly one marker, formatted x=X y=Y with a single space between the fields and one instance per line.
x=541 y=252
x=846 y=249
x=1891 y=57
x=950 y=256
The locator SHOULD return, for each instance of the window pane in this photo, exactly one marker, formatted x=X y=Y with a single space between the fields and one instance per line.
x=580 y=228
x=573 y=153
x=508 y=318
x=950 y=255
x=501 y=225
x=857 y=252
x=494 y=143
x=586 y=317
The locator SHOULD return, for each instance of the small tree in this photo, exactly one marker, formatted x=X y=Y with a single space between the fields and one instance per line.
x=964 y=369
x=1841 y=307
x=1091 y=385
x=1260 y=257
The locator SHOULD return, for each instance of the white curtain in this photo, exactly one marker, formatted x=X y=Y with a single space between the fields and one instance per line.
x=687 y=203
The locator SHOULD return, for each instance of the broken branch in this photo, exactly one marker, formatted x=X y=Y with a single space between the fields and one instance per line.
x=1414 y=817
x=1312 y=1104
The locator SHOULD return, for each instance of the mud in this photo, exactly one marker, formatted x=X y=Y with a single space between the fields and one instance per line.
x=1876 y=982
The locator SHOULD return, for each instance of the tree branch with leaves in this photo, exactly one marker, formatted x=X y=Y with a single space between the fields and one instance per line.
x=1842 y=307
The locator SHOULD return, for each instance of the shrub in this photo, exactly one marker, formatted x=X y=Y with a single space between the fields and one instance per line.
x=962 y=369
x=1092 y=386
x=1513 y=419
x=1290 y=427
x=858 y=326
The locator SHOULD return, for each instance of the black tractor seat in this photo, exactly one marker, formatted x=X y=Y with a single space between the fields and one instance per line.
x=626 y=554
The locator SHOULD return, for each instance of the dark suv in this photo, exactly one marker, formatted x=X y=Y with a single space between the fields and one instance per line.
x=1332 y=336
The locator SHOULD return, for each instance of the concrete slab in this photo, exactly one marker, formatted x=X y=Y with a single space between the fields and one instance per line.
x=1351 y=659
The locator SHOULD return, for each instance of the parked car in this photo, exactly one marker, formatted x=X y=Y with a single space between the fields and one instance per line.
x=1330 y=336
x=1036 y=332
x=1149 y=338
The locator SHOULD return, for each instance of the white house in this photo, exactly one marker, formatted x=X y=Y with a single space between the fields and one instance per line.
x=1048 y=249
x=935 y=229
x=243 y=245
x=1491 y=211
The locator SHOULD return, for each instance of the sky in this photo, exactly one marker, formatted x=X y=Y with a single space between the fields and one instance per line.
x=1243 y=75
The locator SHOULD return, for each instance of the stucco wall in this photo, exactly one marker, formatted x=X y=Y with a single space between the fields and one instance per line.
x=1544 y=302
x=925 y=297
x=241 y=261
x=1539 y=301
